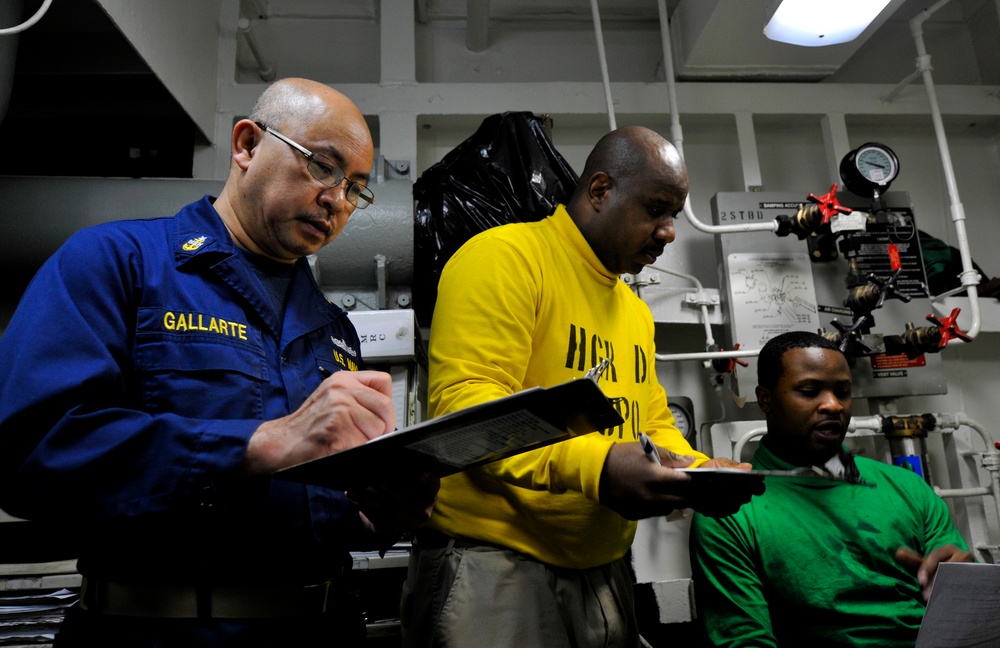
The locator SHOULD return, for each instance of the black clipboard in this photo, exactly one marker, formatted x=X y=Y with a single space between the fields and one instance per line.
x=530 y=419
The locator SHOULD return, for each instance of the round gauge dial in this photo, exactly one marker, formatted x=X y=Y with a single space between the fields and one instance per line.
x=877 y=164
x=681 y=408
x=869 y=169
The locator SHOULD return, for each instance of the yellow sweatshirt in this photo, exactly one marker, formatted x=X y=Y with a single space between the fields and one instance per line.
x=530 y=305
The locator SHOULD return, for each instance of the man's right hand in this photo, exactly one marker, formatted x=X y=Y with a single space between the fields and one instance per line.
x=346 y=410
x=925 y=567
x=636 y=488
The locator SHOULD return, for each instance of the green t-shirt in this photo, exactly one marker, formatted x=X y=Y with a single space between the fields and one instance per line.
x=812 y=564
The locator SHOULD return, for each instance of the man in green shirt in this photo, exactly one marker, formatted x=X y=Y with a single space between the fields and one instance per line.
x=819 y=563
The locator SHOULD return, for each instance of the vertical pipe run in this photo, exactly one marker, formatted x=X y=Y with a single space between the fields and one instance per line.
x=969 y=276
x=678 y=141
x=604 y=64
x=676 y=134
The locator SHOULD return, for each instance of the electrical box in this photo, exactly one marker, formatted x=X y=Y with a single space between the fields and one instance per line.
x=386 y=335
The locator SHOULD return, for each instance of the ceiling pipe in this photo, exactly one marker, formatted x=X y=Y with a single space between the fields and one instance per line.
x=604 y=64
x=678 y=138
x=969 y=276
x=263 y=68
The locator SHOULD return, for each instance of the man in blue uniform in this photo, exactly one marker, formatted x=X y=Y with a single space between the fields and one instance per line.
x=158 y=371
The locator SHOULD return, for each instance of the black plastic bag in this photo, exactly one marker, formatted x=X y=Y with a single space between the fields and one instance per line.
x=506 y=172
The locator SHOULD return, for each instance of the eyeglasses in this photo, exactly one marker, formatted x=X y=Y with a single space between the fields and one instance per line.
x=327 y=172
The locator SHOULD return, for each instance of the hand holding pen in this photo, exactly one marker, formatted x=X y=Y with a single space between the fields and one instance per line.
x=637 y=482
x=649 y=448
x=346 y=409
x=635 y=489
x=653 y=454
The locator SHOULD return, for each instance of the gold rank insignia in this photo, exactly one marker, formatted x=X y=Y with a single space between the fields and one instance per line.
x=194 y=244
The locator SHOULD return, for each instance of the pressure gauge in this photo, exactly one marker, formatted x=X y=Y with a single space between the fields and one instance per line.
x=869 y=169
x=683 y=410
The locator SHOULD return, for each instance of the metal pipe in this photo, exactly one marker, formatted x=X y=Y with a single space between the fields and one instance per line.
x=710 y=355
x=29 y=22
x=969 y=276
x=678 y=137
x=745 y=439
x=946 y=421
x=604 y=64
x=889 y=98
x=381 y=281
x=994 y=488
x=963 y=492
x=952 y=422
x=858 y=423
x=709 y=339
x=676 y=134
x=263 y=69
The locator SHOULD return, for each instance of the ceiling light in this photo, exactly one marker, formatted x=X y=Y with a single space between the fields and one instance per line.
x=814 y=23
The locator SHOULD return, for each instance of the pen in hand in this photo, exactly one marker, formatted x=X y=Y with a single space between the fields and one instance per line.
x=649 y=448
x=326 y=373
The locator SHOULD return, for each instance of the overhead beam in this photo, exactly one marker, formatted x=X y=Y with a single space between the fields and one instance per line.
x=645 y=98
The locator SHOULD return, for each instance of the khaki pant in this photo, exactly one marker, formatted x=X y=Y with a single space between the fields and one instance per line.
x=489 y=597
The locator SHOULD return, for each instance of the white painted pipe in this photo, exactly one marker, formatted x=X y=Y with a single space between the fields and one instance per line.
x=710 y=355
x=962 y=492
x=705 y=320
x=29 y=22
x=755 y=433
x=604 y=64
x=678 y=138
x=969 y=276
x=263 y=68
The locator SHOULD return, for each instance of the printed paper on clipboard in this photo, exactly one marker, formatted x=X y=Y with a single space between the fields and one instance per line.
x=962 y=609
x=738 y=474
x=502 y=428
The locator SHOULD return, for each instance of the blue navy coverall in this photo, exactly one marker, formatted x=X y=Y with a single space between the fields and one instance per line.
x=141 y=359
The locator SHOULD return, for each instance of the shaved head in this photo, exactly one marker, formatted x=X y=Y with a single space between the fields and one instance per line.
x=628 y=151
x=290 y=101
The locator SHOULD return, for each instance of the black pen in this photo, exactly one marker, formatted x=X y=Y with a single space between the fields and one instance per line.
x=323 y=371
x=649 y=448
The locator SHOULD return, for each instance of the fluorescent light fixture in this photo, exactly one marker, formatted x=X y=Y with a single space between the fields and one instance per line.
x=814 y=23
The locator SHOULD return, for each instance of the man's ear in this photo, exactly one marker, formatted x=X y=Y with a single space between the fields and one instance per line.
x=597 y=190
x=763 y=399
x=246 y=135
